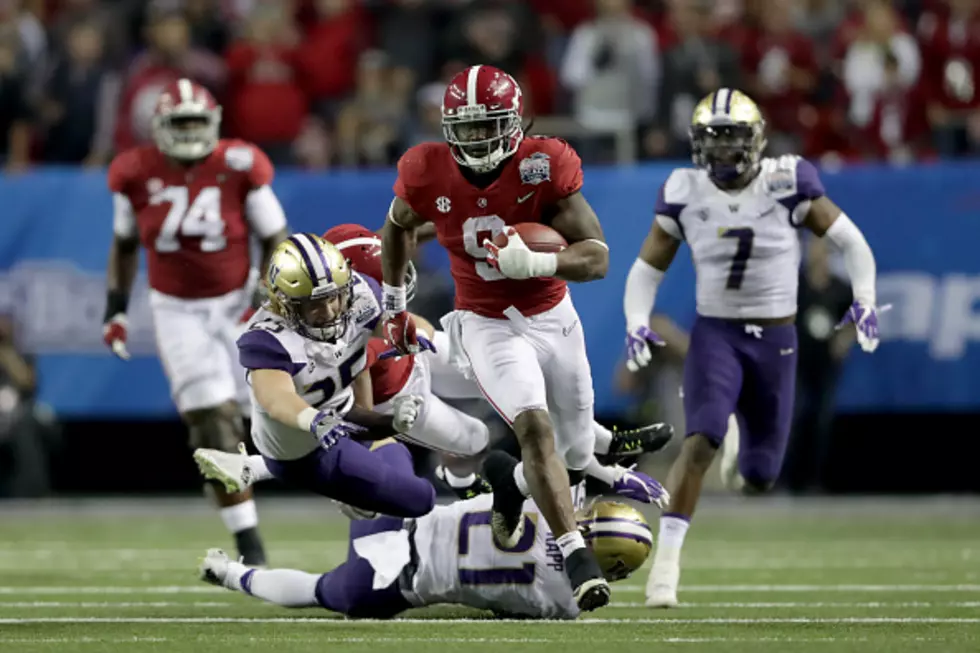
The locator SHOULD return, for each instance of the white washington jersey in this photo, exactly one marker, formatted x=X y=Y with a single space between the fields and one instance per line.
x=322 y=371
x=744 y=243
x=459 y=562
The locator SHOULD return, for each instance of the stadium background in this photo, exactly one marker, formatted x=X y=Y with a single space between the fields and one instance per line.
x=882 y=94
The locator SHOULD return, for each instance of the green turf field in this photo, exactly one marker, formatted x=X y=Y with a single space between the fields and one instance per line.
x=828 y=576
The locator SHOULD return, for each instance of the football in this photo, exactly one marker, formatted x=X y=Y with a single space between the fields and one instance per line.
x=538 y=237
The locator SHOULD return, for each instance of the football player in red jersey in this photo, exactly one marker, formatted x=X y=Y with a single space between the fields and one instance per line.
x=193 y=201
x=442 y=426
x=515 y=329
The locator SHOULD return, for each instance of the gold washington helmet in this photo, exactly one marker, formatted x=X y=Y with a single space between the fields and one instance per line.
x=310 y=285
x=619 y=536
x=728 y=135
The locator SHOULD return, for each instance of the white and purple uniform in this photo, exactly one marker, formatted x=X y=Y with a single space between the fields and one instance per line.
x=746 y=250
x=322 y=371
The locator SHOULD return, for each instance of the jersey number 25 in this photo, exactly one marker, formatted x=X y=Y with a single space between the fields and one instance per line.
x=200 y=219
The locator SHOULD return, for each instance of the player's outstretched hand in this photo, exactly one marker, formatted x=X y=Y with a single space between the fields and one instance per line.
x=515 y=260
x=114 y=333
x=424 y=344
x=406 y=411
x=865 y=321
x=640 y=487
x=328 y=428
x=638 y=343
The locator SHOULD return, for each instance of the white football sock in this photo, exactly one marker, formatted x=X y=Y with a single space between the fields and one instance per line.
x=671 y=538
x=240 y=517
x=603 y=438
x=286 y=587
x=260 y=471
x=521 y=480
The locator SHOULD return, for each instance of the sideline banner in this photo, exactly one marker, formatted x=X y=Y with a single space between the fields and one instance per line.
x=922 y=222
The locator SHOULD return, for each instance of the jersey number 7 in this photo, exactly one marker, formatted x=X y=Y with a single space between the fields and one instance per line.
x=743 y=252
x=522 y=575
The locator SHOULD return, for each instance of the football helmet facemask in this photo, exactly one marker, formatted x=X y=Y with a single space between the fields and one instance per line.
x=186 y=121
x=311 y=286
x=482 y=117
x=727 y=135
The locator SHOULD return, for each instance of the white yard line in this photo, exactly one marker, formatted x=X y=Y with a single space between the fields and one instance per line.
x=19 y=605
x=12 y=590
x=430 y=622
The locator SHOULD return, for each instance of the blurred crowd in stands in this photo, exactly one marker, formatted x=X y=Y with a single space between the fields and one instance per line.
x=352 y=83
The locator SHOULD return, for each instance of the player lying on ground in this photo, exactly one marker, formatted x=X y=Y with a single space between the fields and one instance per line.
x=739 y=214
x=436 y=378
x=193 y=200
x=515 y=330
x=303 y=351
x=447 y=556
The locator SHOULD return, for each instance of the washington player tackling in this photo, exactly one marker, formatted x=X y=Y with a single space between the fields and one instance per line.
x=192 y=201
x=740 y=214
x=448 y=556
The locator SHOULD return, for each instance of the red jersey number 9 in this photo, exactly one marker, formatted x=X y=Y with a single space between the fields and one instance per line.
x=475 y=231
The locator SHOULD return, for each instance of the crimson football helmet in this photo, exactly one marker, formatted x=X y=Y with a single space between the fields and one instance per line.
x=186 y=121
x=482 y=117
x=362 y=247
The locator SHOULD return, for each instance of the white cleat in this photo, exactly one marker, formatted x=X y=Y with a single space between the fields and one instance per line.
x=730 y=476
x=214 y=567
x=662 y=585
x=229 y=469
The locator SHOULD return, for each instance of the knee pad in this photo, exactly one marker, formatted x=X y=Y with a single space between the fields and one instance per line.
x=577 y=456
x=219 y=428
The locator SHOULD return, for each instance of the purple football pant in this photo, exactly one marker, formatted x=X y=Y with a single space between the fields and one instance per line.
x=351 y=473
x=348 y=589
x=733 y=367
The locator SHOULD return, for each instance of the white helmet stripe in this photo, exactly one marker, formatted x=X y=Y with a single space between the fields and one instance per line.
x=354 y=242
x=313 y=257
x=186 y=90
x=621 y=528
x=722 y=100
x=471 y=80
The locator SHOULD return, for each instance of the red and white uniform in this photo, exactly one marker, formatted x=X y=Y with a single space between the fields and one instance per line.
x=439 y=426
x=195 y=223
x=521 y=341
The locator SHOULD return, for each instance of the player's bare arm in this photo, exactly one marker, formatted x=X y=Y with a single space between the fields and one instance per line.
x=826 y=219
x=587 y=256
x=423 y=233
x=276 y=394
x=363 y=390
x=124 y=258
x=399 y=238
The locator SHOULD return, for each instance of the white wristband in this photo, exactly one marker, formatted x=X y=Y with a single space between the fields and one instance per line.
x=394 y=298
x=544 y=264
x=305 y=419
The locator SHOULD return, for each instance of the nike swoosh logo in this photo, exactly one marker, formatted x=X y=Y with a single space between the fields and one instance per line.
x=785 y=352
x=566 y=330
x=521 y=200
x=767 y=212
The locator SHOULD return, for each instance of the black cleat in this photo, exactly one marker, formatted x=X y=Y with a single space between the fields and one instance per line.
x=250 y=548
x=646 y=439
x=589 y=588
x=476 y=488
x=507 y=515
